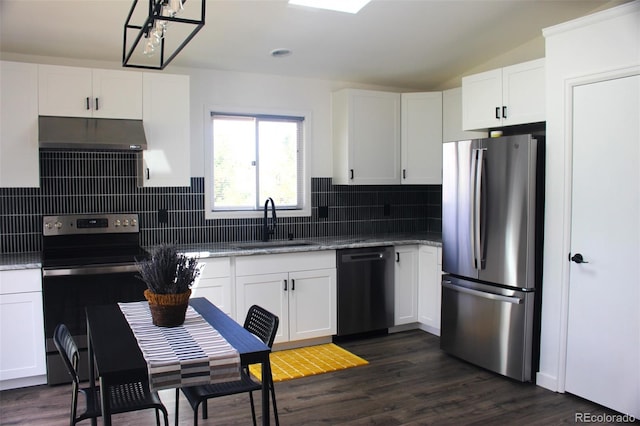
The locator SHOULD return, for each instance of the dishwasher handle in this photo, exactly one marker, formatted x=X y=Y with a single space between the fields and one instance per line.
x=482 y=294
x=362 y=257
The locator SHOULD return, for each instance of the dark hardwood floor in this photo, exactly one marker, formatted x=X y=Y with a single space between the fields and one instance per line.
x=408 y=381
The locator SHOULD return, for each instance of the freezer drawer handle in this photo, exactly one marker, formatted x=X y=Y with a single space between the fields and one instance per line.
x=484 y=295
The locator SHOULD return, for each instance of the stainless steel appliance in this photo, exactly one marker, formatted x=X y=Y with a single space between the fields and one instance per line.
x=365 y=290
x=86 y=260
x=492 y=199
x=91 y=133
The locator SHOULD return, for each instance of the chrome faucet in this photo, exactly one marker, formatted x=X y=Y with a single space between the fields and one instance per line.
x=266 y=228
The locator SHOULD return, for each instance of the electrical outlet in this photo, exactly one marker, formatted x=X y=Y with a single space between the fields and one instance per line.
x=323 y=212
x=163 y=216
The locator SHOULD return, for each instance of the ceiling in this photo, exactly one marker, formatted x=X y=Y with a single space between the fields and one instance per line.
x=416 y=44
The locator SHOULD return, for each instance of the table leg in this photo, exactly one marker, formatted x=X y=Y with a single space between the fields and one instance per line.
x=92 y=370
x=105 y=404
x=104 y=397
x=266 y=382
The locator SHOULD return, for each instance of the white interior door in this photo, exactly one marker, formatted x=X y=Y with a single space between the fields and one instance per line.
x=603 y=345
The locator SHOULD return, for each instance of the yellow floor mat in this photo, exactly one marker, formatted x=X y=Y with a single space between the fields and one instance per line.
x=308 y=361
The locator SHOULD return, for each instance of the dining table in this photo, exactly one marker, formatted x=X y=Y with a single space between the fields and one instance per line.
x=115 y=356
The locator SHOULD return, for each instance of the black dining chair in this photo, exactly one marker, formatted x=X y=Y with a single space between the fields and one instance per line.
x=123 y=397
x=264 y=325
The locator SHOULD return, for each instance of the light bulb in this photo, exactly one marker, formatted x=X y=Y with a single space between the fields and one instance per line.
x=176 y=6
x=160 y=29
x=155 y=38
x=149 y=48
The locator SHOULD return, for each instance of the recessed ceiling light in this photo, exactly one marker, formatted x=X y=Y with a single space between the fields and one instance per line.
x=281 y=52
x=348 y=6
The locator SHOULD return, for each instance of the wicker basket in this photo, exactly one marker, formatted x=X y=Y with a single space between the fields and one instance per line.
x=167 y=310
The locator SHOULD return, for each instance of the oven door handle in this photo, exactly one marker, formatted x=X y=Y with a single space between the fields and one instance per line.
x=89 y=270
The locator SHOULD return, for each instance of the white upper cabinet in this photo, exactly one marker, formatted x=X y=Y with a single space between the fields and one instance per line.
x=421 y=138
x=19 y=166
x=167 y=128
x=85 y=92
x=504 y=97
x=366 y=137
x=452 y=118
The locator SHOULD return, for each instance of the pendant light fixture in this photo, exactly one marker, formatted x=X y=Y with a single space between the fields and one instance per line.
x=168 y=25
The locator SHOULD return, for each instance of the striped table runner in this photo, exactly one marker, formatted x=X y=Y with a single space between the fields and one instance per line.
x=188 y=355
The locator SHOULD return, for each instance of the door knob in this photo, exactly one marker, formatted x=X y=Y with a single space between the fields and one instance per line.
x=577 y=258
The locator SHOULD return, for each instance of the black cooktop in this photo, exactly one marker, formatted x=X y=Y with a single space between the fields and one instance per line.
x=85 y=256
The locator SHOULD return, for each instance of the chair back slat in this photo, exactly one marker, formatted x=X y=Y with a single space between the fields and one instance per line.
x=68 y=350
x=262 y=323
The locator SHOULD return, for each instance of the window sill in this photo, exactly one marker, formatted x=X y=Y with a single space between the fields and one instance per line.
x=239 y=214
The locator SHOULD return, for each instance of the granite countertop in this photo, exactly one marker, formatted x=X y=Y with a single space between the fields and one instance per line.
x=248 y=248
x=20 y=261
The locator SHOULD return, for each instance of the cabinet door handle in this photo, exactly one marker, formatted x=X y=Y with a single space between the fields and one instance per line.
x=497 y=113
x=504 y=112
x=285 y=285
x=293 y=285
x=88 y=106
x=97 y=104
x=351 y=171
x=148 y=174
x=397 y=257
x=404 y=173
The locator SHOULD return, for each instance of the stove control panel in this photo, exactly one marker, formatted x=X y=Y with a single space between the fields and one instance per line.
x=90 y=224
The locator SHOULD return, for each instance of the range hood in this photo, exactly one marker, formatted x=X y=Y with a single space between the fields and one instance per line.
x=91 y=133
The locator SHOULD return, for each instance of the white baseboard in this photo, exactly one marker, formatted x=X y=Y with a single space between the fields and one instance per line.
x=23 y=382
x=429 y=329
x=546 y=381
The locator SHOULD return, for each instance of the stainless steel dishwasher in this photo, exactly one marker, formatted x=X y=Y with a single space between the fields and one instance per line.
x=365 y=290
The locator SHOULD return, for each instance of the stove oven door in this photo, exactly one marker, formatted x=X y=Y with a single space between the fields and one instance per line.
x=67 y=292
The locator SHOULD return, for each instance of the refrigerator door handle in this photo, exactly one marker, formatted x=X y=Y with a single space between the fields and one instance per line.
x=477 y=164
x=479 y=217
x=472 y=208
x=482 y=294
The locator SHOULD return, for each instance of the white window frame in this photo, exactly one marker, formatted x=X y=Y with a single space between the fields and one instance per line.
x=208 y=163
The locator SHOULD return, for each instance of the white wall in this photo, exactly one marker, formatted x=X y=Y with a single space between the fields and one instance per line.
x=533 y=49
x=598 y=43
x=212 y=88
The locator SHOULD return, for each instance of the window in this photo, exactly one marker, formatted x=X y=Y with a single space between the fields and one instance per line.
x=254 y=157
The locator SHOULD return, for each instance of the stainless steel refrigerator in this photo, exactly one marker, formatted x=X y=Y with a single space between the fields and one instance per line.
x=492 y=204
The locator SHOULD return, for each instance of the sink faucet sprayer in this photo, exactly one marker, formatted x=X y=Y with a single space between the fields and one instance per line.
x=269 y=229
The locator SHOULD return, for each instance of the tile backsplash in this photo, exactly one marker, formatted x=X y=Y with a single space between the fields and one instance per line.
x=75 y=182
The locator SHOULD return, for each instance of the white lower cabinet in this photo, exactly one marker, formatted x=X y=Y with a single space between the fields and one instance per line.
x=300 y=288
x=406 y=285
x=22 y=352
x=214 y=283
x=429 y=289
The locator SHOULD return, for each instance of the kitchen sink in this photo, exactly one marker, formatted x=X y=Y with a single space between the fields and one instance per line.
x=273 y=244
